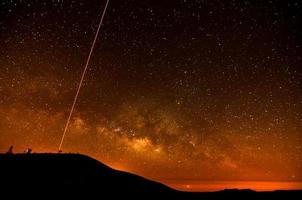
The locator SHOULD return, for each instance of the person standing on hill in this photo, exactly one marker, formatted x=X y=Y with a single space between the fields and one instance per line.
x=10 y=150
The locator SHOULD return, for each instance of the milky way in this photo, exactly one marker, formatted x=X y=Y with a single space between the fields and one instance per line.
x=203 y=90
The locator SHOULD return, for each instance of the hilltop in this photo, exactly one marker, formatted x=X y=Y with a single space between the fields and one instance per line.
x=79 y=175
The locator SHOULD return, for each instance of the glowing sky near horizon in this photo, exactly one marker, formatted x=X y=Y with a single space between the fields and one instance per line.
x=176 y=90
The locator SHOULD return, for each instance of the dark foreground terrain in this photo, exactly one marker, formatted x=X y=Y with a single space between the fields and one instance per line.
x=73 y=175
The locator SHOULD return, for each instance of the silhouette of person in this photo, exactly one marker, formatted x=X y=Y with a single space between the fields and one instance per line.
x=10 y=150
x=28 y=151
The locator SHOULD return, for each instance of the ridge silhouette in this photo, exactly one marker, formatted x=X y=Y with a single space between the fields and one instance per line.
x=76 y=175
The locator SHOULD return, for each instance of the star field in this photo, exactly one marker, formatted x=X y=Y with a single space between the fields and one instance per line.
x=203 y=90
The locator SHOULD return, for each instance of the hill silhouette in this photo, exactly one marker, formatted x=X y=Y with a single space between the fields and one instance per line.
x=78 y=175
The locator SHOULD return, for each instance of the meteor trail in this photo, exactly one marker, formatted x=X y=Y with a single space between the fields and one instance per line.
x=83 y=76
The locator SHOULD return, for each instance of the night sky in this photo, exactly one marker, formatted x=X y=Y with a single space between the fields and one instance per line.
x=176 y=90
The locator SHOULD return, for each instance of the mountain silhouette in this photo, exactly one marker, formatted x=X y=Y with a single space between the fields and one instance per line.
x=78 y=175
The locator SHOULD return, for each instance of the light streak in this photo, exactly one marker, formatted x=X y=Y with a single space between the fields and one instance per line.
x=83 y=76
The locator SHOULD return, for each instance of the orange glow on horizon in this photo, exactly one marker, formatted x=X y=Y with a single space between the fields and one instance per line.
x=211 y=186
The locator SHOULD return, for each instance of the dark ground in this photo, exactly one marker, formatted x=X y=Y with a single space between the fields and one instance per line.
x=74 y=175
